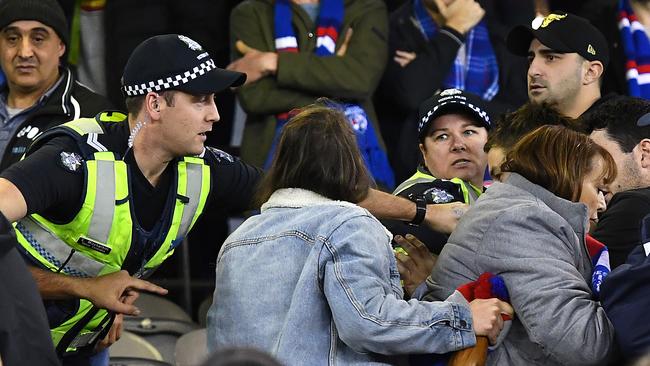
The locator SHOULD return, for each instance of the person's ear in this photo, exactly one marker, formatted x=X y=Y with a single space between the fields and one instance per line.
x=593 y=72
x=152 y=105
x=644 y=153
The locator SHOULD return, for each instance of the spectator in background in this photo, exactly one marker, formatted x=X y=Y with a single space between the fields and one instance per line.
x=623 y=24
x=530 y=230
x=622 y=127
x=296 y=51
x=41 y=91
x=511 y=127
x=321 y=269
x=452 y=135
x=567 y=57
x=625 y=299
x=439 y=44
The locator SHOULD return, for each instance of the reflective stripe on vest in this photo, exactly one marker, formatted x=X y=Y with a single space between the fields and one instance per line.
x=98 y=239
x=470 y=195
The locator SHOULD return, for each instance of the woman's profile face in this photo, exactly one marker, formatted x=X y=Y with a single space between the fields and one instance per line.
x=594 y=189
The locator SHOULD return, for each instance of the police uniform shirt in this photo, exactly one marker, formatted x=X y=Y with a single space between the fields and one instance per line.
x=52 y=188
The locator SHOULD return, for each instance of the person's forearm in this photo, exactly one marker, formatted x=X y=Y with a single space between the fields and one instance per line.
x=53 y=286
x=439 y=217
x=387 y=206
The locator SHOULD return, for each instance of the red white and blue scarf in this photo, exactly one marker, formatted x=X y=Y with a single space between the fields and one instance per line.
x=600 y=262
x=637 y=51
x=478 y=72
x=328 y=25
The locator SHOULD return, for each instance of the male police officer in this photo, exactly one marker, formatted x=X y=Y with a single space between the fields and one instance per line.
x=102 y=201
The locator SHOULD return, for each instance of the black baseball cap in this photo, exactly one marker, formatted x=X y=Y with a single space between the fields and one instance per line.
x=452 y=101
x=564 y=33
x=174 y=61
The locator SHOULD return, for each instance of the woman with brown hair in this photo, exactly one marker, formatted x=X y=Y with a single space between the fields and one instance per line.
x=313 y=279
x=531 y=230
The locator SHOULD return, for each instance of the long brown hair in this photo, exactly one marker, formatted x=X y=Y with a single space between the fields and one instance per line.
x=318 y=151
x=558 y=159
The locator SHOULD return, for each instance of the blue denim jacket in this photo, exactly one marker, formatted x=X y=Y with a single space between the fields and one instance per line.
x=314 y=282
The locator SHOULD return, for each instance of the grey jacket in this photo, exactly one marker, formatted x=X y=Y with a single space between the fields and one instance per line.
x=536 y=242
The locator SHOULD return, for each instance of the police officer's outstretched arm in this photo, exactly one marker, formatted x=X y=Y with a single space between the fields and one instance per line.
x=106 y=292
x=110 y=291
x=439 y=217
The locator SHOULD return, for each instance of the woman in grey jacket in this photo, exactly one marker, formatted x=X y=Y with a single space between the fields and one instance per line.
x=531 y=231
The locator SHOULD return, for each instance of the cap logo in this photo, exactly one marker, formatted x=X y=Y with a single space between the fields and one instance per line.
x=448 y=92
x=192 y=44
x=591 y=50
x=551 y=18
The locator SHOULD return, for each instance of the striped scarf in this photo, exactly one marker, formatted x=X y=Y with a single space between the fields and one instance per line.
x=637 y=51
x=328 y=24
x=600 y=261
x=478 y=71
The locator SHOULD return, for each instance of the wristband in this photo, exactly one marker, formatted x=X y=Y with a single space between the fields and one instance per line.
x=420 y=209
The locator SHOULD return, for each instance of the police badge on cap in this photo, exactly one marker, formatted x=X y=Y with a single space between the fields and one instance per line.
x=174 y=61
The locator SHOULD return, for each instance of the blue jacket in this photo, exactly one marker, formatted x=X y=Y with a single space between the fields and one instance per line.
x=314 y=281
x=625 y=298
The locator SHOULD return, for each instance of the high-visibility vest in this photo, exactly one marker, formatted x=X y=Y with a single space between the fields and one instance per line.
x=470 y=193
x=99 y=238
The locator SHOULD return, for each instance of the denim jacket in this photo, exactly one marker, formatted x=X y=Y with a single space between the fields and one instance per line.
x=314 y=282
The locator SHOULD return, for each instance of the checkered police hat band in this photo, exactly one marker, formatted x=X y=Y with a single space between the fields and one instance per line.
x=170 y=82
x=476 y=109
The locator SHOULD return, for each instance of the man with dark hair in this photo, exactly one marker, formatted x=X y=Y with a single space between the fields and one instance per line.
x=567 y=56
x=622 y=127
x=40 y=91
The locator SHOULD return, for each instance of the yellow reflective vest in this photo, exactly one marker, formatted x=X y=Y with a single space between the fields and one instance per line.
x=470 y=193
x=98 y=240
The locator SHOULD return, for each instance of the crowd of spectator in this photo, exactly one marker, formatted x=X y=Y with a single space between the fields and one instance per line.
x=514 y=137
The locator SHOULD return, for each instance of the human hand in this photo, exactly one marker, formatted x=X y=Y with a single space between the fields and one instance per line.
x=415 y=267
x=404 y=58
x=344 y=46
x=486 y=316
x=461 y=15
x=117 y=291
x=443 y=217
x=115 y=332
x=255 y=64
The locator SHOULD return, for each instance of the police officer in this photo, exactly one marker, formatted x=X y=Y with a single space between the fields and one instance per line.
x=101 y=202
x=452 y=130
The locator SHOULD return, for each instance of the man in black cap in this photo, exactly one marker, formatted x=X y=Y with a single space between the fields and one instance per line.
x=101 y=202
x=567 y=56
x=40 y=91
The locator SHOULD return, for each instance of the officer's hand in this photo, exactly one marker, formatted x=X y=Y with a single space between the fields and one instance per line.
x=443 y=217
x=115 y=291
x=415 y=267
x=115 y=332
